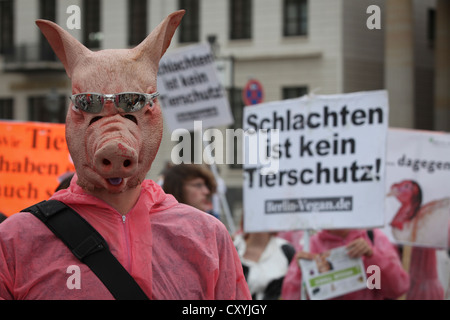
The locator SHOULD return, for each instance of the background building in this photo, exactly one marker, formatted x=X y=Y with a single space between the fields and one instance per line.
x=292 y=47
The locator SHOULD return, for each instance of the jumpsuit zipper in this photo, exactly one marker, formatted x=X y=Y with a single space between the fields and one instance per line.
x=127 y=243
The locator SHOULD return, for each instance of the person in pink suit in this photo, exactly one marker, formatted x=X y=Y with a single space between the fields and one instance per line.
x=394 y=279
x=423 y=272
x=113 y=129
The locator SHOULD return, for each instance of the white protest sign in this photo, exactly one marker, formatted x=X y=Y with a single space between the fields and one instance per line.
x=190 y=89
x=418 y=187
x=332 y=274
x=329 y=153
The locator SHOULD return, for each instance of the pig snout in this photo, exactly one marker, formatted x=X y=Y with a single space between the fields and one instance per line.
x=116 y=160
x=113 y=149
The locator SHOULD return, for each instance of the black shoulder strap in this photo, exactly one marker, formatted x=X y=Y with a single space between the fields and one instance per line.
x=289 y=251
x=89 y=247
x=370 y=234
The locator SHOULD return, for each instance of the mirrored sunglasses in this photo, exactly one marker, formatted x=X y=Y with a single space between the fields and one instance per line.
x=127 y=101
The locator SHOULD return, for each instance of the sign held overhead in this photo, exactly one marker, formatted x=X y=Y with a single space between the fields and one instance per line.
x=190 y=89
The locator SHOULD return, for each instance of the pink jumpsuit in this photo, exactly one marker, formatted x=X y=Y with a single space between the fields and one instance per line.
x=172 y=250
x=394 y=279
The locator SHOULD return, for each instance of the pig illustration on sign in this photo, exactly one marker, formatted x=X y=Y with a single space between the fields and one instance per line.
x=113 y=130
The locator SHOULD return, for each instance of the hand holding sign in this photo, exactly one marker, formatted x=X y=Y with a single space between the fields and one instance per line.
x=359 y=247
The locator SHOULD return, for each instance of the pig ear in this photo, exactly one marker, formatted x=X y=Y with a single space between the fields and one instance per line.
x=157 y=42
x=66 y=47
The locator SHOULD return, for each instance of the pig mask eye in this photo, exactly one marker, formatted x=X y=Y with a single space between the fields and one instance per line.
x=125 y=101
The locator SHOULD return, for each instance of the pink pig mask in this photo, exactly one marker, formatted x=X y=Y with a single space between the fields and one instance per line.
x=113 y=150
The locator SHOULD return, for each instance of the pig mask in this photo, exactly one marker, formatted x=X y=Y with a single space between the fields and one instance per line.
x=113 y=150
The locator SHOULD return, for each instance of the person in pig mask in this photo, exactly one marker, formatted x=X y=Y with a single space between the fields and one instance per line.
x=114 y=129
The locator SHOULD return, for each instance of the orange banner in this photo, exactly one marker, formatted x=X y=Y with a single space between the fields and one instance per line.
x=33 y=155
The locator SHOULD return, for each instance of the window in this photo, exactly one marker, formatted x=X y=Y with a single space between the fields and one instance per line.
x=47 y=10
x=50 y=108
x=137 y=21
x=240 y=19
x=295 y=18
x=6 y=27
x=6 y=109
x=91 y=24
x=431 y=27
x=294 y=92
x=237 y=109
x=189 y=27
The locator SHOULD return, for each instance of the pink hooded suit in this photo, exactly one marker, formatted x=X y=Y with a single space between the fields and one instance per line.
x=172 y=250
x=394 y=279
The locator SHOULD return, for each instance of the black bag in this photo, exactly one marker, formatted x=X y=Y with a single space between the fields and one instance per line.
x=89 y=247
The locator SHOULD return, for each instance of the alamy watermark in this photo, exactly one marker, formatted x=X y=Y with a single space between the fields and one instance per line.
x=374 y=20
x=74 y=20
x=236 y=146
x=74 y=280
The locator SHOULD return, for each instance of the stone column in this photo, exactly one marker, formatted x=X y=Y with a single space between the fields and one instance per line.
x=442 y=67
x=399 y=62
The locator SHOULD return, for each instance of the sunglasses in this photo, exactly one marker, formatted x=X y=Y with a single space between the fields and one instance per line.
x=198 y=185
x=127 y=101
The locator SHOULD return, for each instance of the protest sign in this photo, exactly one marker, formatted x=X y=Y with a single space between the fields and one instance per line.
x=190 y=89
x=325 y=162
x=418 y=187
x=32 y=157
x=332 y=273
